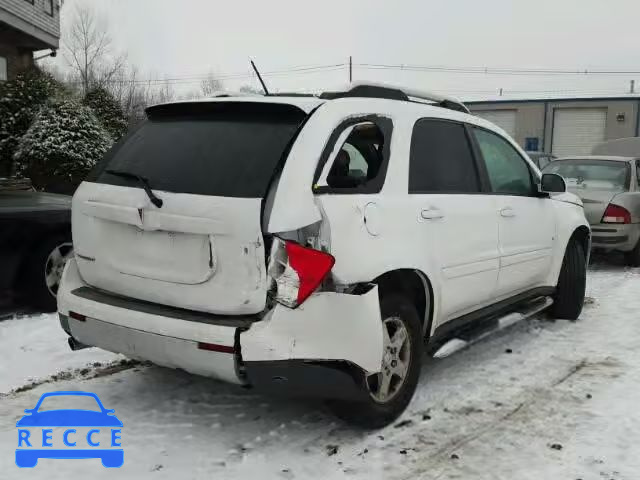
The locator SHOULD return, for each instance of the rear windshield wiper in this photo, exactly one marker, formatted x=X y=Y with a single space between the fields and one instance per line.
x=141 y=180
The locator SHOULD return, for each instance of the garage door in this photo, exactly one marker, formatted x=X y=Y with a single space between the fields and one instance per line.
x=577 y=130
x=505 y=119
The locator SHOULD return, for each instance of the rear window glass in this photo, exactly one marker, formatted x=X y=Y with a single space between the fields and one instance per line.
x=593 y=174
x=232 y=151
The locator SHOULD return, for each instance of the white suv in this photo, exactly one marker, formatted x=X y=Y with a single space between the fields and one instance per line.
x=314 y=245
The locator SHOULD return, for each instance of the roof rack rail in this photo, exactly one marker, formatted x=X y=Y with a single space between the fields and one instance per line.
x=292 y=94
x=391 y=92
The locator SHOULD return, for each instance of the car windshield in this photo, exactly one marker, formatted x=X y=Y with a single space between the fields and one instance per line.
x=592 y=174
x=69 y=402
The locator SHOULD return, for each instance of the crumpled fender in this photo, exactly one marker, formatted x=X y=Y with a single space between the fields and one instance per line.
x=328 y=326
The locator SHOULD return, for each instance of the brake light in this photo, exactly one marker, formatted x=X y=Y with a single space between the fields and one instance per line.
x=299 y=272
x=214 y=347
x=616 y=214
x=78 y=316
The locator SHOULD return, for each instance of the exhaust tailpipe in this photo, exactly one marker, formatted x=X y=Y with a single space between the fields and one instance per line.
x=75 y=345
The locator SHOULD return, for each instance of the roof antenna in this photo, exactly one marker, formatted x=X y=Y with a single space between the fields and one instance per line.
x=255 y=69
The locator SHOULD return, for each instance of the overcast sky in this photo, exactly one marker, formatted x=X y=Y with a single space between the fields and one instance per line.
x=182 y=38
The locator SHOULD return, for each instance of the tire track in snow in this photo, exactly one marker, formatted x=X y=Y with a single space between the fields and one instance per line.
x=90 y=372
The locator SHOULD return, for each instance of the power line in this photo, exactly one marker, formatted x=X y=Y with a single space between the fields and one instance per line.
x=312 y=69
x=347 y=66
x=232 y=76
x=493 y=71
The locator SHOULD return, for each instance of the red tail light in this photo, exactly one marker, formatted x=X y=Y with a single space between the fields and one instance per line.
x=301 y=271
x=616 y=214
x=213 y=347
x=78 y=316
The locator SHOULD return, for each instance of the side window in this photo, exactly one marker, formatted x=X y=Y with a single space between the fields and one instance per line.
x=508 y=172
x=358 y=166
x=638 y=172
x=356 y=160
x=441 y=159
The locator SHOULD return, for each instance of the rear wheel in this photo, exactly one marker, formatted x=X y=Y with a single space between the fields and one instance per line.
x=390 y=391
x=633 y=257
x=43 y=271
x=569 y=296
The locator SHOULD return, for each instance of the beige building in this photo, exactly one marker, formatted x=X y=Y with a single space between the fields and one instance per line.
x=567 y=126
x=26 y=26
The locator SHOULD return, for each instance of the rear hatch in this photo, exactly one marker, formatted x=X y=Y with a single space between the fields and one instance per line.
x=172 y=214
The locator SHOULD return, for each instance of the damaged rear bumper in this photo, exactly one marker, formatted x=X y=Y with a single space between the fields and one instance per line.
x=319 y=349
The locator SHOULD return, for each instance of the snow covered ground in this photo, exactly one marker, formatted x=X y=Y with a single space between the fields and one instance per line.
x=556 y=400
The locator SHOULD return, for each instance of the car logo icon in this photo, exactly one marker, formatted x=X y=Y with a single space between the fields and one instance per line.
x=67 y=433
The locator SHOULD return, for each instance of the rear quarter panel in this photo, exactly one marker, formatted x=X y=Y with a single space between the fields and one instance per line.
x=630 y=201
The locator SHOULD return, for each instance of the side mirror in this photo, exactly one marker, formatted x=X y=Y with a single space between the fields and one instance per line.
x=552 y=183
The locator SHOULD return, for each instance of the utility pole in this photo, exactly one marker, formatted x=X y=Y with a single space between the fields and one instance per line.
x=350 y=69
x=632 y=87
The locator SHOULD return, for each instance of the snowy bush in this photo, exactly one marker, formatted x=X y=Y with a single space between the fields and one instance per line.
x=108 y=111
x=63 y=143
x=20 y=101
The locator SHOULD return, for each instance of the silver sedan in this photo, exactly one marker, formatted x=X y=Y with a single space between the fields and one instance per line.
x=610 y=191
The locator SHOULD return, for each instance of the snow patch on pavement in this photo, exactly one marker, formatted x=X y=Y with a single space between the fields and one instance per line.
x=537 y=400
x=36 y=347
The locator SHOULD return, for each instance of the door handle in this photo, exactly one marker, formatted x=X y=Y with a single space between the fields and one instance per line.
x=431 y=213
x=507 y=212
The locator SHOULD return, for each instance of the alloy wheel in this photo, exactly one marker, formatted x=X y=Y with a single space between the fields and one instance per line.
x=396 y=358
x=54 y=266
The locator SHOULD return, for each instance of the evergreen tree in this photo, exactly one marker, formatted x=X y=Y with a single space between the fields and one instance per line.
x=20 y=101
x=63 y=143
x=108 y=111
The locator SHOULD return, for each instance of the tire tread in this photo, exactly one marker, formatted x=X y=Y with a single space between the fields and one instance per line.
x=569 y=297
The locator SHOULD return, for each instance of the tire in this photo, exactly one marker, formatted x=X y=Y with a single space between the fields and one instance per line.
x=40 y=277
x=377 y=413
x=569 y=296
x=632 y=258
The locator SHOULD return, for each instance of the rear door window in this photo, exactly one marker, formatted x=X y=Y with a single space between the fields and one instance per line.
x=228 y=150
x=441 y=159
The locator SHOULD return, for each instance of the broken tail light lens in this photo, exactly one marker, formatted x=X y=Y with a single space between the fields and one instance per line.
x=298 y=272
x=616 y=214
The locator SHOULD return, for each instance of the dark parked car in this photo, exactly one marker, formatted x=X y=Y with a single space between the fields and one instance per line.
x=35 y=242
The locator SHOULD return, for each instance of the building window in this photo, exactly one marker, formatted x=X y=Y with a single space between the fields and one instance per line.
x=3 y=69
x=48 y=7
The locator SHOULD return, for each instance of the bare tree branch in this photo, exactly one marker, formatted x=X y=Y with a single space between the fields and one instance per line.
x=211 y=85
x=88 y=50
